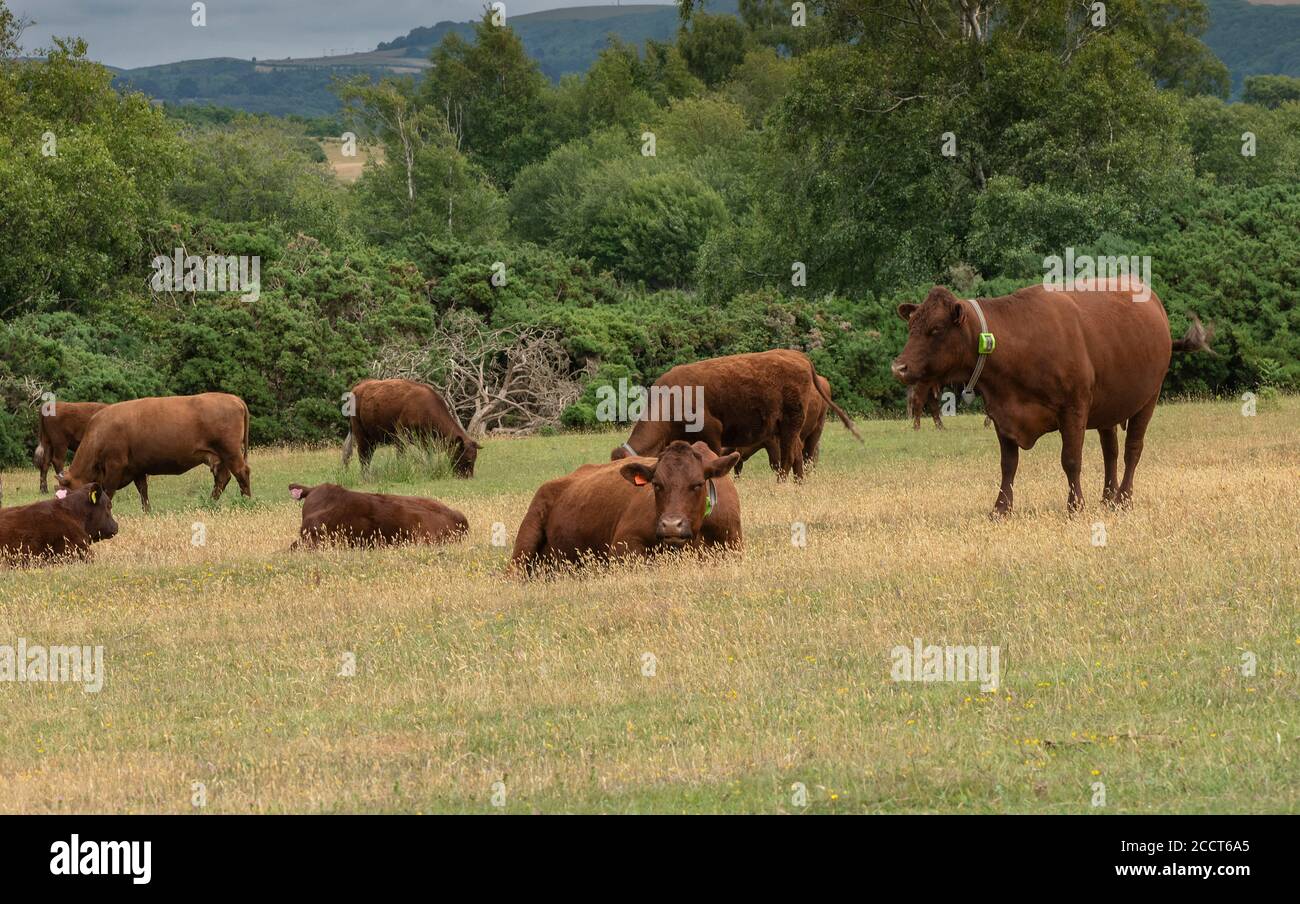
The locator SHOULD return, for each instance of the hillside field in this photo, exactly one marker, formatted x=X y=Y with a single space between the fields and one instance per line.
x=1122 y=663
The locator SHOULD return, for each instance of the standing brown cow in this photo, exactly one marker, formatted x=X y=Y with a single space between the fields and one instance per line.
x=127 y=442
x=752 y=401
x=810 y=437
x=1068 y=360
x=924 y=399
x=388 y=409
x=681 y=500
x=60 y=433
x=54 y=528
x=331 y=513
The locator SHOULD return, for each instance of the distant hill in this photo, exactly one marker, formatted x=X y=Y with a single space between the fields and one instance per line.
x=1254 y=39
x=561 y=40
x=1251 y=39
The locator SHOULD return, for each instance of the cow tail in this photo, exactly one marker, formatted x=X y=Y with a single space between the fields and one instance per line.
x=347 y=445
x=844 y=418
x=1196 y=339
x=245 y=446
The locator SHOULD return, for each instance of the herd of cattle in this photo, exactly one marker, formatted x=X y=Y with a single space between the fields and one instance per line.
x=1042 y=360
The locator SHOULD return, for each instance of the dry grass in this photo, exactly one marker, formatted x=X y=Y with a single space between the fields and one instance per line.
x=349 y=169
x=1121 y=663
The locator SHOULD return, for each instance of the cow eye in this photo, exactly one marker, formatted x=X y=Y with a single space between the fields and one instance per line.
x=696 y=486
x=936 y=331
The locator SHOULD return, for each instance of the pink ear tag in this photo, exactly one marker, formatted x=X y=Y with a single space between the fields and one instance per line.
x=61 y=494
x=296 y=492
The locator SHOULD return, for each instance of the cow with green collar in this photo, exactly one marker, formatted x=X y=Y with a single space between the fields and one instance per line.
x=1046 y=359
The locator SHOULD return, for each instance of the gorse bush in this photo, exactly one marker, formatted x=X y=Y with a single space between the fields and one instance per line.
x=804 y=182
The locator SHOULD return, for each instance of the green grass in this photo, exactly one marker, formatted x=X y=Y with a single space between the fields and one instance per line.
x=1121 y=664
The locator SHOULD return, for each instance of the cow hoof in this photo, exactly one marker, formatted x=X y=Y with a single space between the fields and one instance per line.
x=999 y=513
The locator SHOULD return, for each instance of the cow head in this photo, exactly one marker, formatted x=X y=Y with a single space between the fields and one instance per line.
x=939 y=345
x=463 y=464
x=680 y=479
x=91 y=506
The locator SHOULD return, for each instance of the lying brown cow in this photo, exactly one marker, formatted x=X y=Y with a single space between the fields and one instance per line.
x=1069 y=360
x=753 y=401
x=57 y=528
x=331 y=513
x=129 y=441
x=681 y=500
x=60 y=433
x=389 y=409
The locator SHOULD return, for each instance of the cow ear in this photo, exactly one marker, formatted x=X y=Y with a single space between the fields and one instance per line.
x=720 y=466
x=298 y=491
x=958 y=313
x=637 y=474
x=906 y=310
x=94 y=495
x=60 y=493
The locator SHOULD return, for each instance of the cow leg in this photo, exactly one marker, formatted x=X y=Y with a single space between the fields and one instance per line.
x=1010 y=461
x=243 y=476
x=1073 y=431
x=45 y=470
x=1110 y=457
x=141 y=487
x=365 y=452
x=935 y=412
x=1133 y=436
x=220 y=477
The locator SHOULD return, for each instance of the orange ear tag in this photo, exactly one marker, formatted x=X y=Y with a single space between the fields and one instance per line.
x=639 y=480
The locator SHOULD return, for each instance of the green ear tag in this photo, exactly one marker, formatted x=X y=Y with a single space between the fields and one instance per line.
x=710 y=499
x=987 y=343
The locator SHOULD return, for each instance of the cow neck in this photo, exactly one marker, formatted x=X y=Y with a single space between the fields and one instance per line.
x=975 y=373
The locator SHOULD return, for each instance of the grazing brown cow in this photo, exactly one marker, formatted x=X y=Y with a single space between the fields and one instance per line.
x=1068 y=360
x=751 y=402
x=129 y=441
x=331 y=513
x=60 y=433
x=628 y=508
x=389 y=409
x=59 y=527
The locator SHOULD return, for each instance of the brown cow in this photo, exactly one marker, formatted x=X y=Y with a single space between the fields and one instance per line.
x=1068 y=360
x=60 y=433
x=129 y=441
x=388 y=409
x=57 y=528
x=331 y=513
x=628 y=508
x=751 y=401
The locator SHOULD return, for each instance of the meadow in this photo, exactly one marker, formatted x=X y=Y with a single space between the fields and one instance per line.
x=759 y=682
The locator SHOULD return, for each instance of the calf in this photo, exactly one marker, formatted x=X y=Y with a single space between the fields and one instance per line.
x=631 y=507
x=59 y=433
x=1068 y=360
x=924 y=400
x=57 y=528
x=331 y=513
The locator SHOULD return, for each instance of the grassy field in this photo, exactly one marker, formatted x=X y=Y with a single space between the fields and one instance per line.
x=349 y=169
x=1121 y=664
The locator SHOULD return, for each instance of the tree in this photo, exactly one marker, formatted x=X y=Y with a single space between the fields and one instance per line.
x=712 y=46
x=489 y=94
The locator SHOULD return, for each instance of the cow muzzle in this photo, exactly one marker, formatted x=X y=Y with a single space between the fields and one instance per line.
x=901 y=371
x=674 y=530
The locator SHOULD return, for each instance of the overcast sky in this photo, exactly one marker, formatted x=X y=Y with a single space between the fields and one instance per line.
x=130 y=33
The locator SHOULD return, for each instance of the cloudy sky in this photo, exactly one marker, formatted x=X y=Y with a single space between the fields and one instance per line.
x=129 y=33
